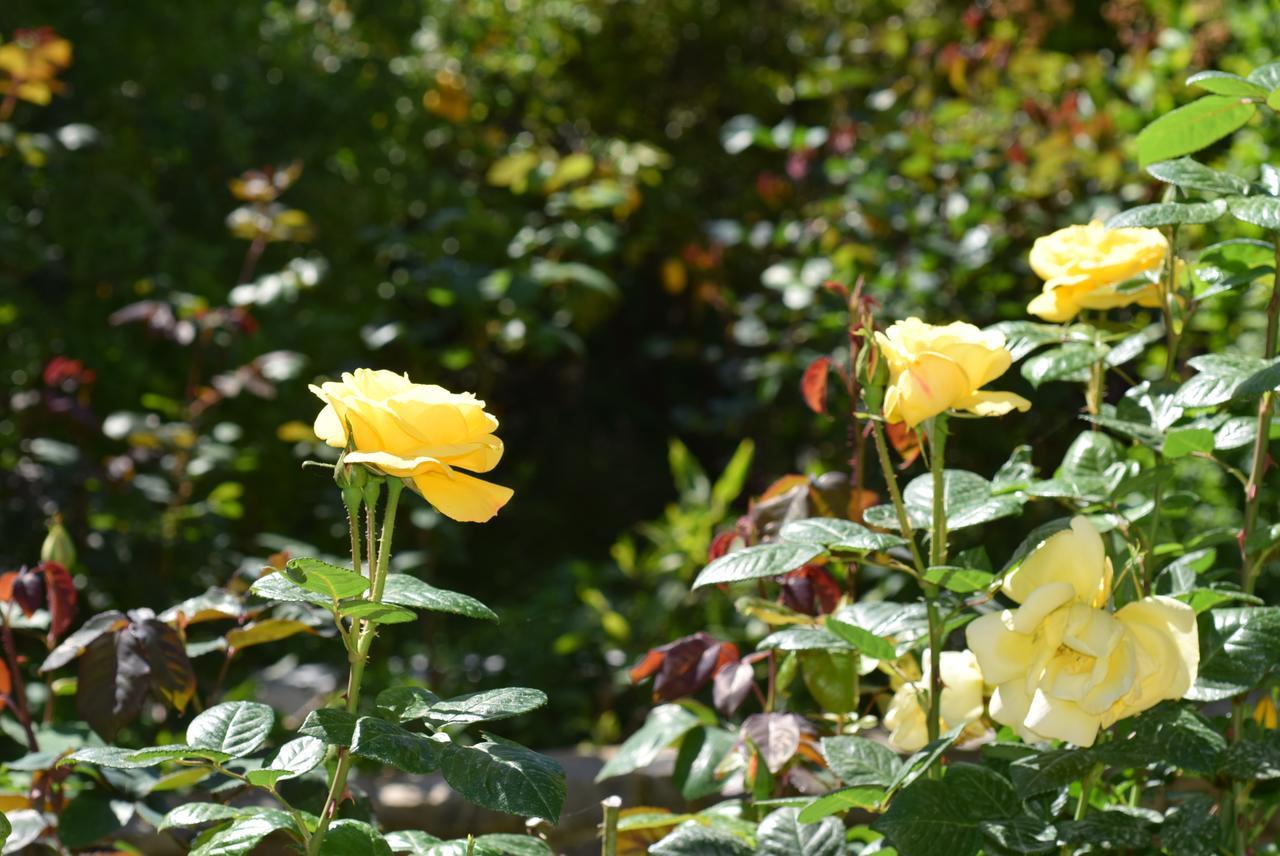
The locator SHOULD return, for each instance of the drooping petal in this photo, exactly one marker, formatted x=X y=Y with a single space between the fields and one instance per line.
x=460 y=496
x=993 y=403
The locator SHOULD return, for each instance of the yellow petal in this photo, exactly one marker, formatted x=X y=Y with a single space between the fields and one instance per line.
x=929 y=386
x=1038 y=604
x=329 y=428
x=993 y=403
x=1002 y=653
x=1164 y=631
x=1061 y=720
x=462 y=497
x=1009 y=705
x=1074 y=555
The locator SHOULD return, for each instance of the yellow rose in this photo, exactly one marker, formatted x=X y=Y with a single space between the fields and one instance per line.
x=934 y=369
x=1062 y=666
x=1083 y=267
x=418 y=432
x=908 y=719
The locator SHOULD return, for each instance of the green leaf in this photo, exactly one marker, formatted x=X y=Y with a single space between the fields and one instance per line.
x=194 y=814
x=243 y=835
x=505 y=776
x=1267 y=76
x=1185 y=172
x=332 y=725
x=235 y=727
x=1191 y=827
x=415 y=842
x=6 y=829
x=406 y=703
x=276 y=586
x=801 y=638
x=1170 y=733
x=665 y=725
x=1238 y=647
x=968 y=498
x=299 y=756
x=841 y=801
x=831 y=678
x=1261 y=211
x=348 y=837
x=695 y=840
x=1222 y=83
x=837 y=534
x=734 y=477
x=859 y=761
x=868 y=643
x=1219 y=379
x=407 y=590
x=377 y=613
x=1109 y=830
x=701 y=753
x=1021 y=834
x=1066 y=362
x=1048 y=771
x=1181 y=442
x=920 y=762
x=91 y=816
x=25 y=828
x=109 y=756
x=959 y=580
x=484 y=706
x=153 y=755
x=783 y=834
x=1192 y=127
x=762 y=560
x=935 y=816
x=323 y=578
x=1255 y=757
x=1168 y=214
x=394 y=746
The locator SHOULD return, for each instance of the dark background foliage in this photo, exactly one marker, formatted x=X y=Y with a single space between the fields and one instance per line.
x=740 y=155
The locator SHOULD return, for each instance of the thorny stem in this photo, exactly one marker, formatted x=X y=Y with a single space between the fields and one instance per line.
x=360 y=656
x=1168 y=299
x=895 y=494
x=1261 y=443
x=937 y=558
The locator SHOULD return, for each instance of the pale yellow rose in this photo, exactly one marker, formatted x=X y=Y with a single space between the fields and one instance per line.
x=1084 y=266
x=961 y=702
x=934 y=369
x=1063 y=667
x=419 y=432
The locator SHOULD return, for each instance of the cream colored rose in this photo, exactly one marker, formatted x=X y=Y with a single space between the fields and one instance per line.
x=934 y=369
x=1084 y=266
x=419 y=432
x=907 y=717
x=1063 y=667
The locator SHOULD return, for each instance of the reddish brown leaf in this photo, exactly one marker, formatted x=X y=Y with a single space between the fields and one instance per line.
x=113 y=682
x=29 y=590
x=7 y=580
x=775 y=735
x=172 y=677
x=684 y=666
x=6 y=683
x=782 y=486
x=60 y=593
x=720 y=544
x=813 y=386
x=811 y=590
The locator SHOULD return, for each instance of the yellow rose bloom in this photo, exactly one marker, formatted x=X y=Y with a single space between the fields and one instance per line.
x=933 y=369
x=1083 y=267
x=907 y=717
x=1063 y=667
x=419 y=432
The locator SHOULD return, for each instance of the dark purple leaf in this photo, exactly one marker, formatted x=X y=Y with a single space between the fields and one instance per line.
x=113 y=683
x=731 y=685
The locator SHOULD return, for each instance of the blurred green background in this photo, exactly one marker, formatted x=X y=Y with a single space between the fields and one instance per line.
x=612 y=219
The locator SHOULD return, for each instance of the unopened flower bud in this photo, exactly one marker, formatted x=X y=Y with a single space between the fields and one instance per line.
x=58 y=546
x=352 y=479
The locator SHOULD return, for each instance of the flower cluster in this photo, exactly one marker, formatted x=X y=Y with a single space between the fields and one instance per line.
x=960 y=703
x=1063 y=666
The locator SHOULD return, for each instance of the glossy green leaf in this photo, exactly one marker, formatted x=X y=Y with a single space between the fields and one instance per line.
x=868 y=643
x=323 y=578
x=1223 y=83
x=695 y=840
x=395 y=746
x=348 y=837
x=959 y=580
x=1238 y=647
x=860 y=761
x=1181 y=442
x=782 y=833
x=505 y=776
x=943 y=815
x=1261 y=211
x=665 y=725
x=837 y=534
x=377 y=613
x=1191 y=174
x=1066 y=362
x=235 y=727
x=762 y=560
x=484 y=706
x=1168 y=214
x=1192 y=127
x=407 y=590
x=332 y=725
